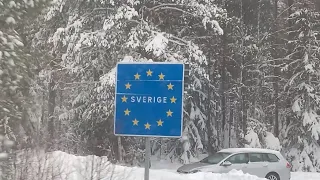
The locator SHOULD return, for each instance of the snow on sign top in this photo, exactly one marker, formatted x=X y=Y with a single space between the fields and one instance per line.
x=149 y=99
x=109 y=78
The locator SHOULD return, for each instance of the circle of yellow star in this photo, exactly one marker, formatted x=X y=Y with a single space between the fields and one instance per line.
x=170 y=86
x=173 y=99
x=149 y=73
x=169 y=113
x=128 y=85
x=137 y=76
x=124 y=99
x=147 y=126
x=127 y=112
x=161 y=76
x=135 y=122
x=160 y=122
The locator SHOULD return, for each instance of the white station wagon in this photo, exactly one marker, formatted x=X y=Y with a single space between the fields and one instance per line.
x=263 y=163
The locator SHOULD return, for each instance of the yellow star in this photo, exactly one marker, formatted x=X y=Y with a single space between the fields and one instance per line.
x=169 y=113
x=147 y=126
x=135 y=122
x=161 y=76
x=149 y=73
x=124 y=99
x=137 y=76
x=127 y=112
x=128 y=85
x=170 y=86
x=160 y=122
x=173 y=99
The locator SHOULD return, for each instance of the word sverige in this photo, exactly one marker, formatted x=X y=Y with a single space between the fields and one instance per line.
x=148 y=99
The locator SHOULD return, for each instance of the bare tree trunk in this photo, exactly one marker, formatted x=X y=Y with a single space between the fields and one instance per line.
x=223 y=82
x=243 y=112
x=317 y=4
x=43 y=109
x=61 y=97
x=209 y=121
x=244 y=115
x=258 y=81
x=276 y=72
x=51 y=107
x=290 y=50
x=231 y=123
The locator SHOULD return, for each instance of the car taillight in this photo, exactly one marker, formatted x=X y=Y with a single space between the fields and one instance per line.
x=288 y=165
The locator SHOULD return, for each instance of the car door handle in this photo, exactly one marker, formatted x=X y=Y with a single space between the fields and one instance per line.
x=265 y=165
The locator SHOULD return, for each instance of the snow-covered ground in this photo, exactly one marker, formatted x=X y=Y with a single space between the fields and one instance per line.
x=167 y=166
x=62 y=166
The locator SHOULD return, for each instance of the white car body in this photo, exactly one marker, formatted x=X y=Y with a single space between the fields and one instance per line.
x=263 y=163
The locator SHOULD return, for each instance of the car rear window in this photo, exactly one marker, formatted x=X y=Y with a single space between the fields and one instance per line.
x=272 y=158
x=263 y=157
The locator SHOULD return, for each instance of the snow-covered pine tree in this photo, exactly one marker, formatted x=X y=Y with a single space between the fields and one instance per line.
x=15 y=73
x=302 y=134
x=178 y=34
x=15 y=62
x=97 y=34
x=249 y=65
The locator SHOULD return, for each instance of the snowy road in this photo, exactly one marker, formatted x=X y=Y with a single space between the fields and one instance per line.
x=294 y=176
x=165 y=174
x=171 y=167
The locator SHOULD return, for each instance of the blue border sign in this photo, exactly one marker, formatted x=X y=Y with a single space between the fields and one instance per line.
x=149 y=99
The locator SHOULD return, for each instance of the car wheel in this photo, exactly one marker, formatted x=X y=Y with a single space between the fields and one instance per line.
x=273 y=176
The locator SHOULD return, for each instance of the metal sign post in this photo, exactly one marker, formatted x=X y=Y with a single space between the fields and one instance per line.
x=149 y=102
x=147 y=159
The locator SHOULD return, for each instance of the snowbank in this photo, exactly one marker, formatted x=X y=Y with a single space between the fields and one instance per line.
x=232 y=175
x=62 y=166
x=138 y=174
x=305 y=176
x=253 y=140
x=272 y=142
